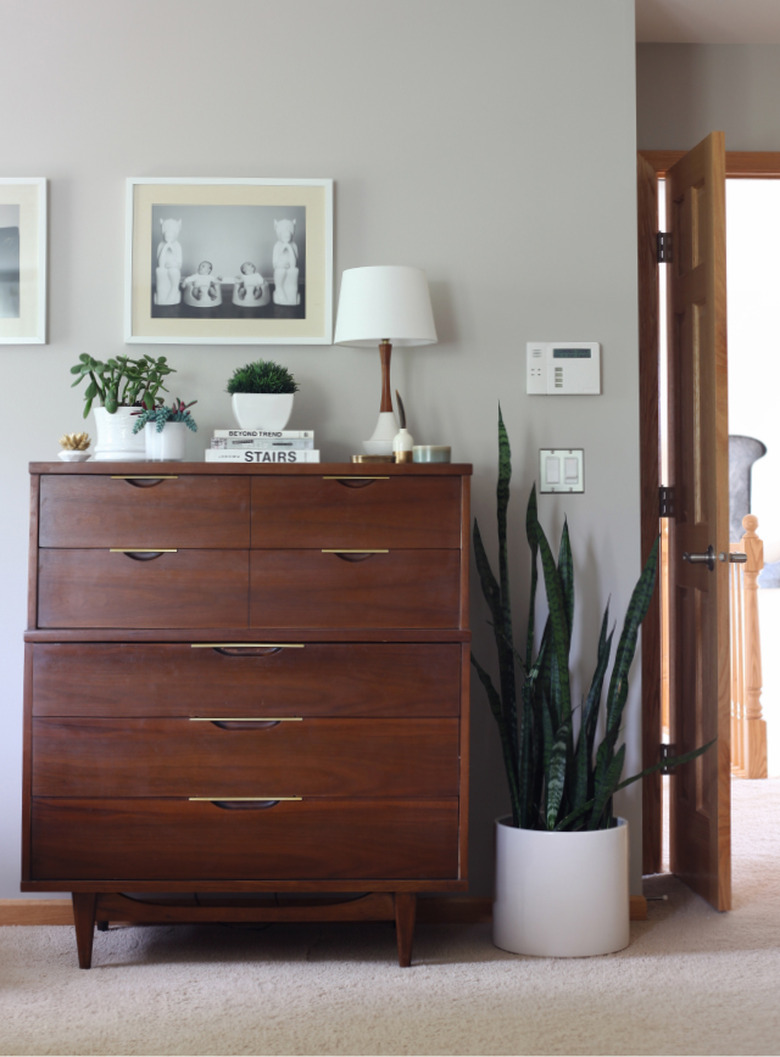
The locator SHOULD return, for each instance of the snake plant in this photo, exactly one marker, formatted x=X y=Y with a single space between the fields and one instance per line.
x=563 y=763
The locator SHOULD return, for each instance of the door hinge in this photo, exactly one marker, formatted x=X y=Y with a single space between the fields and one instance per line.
x=666 y=501
x=667 y=752
x=663 y=246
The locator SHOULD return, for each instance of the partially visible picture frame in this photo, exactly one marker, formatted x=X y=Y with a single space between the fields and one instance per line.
x=229 y=261
x=23 y=242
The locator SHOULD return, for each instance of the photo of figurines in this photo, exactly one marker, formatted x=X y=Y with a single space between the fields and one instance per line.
x=228 y=261
x=231 y=261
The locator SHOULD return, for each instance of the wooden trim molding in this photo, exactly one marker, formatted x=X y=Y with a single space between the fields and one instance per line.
x=444 y=910
x=36 y=912
x=740 y=164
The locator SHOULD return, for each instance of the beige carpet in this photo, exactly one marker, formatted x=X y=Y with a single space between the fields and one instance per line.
x=691 y=982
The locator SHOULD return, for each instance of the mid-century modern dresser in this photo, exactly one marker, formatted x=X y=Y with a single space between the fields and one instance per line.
x=246 y=691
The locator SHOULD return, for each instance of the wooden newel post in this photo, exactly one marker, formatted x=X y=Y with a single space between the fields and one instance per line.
x=755 y=755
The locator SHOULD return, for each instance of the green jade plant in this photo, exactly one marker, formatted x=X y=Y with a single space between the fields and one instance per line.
x=262 y=376
x=559 y=777
x=177 y=411
x=122 y=381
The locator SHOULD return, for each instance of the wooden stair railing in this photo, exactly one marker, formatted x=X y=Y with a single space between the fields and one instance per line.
x=748 y=728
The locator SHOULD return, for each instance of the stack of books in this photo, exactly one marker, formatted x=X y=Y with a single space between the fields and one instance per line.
x=259 y=446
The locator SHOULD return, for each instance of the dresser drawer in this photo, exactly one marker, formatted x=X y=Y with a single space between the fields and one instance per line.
x=101 y=589
x=138 y=511
x=389 y=679
x=76 y=757
x=393 y=589
x=308 y=840
x=356 y=512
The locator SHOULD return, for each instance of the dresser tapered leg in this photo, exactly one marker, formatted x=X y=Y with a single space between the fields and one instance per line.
x=405 y=909
x=84 y=906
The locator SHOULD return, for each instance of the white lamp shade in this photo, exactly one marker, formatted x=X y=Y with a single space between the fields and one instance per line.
x=384 y=303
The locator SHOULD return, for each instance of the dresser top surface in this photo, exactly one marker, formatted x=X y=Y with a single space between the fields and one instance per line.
x=318 y=469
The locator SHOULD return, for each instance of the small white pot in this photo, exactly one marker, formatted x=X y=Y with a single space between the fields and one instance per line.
x=561 y=895
x=169 y=443
x=115 y=437
x=267 y=411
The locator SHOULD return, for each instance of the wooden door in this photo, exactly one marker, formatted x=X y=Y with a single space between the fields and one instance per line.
x=700 y=808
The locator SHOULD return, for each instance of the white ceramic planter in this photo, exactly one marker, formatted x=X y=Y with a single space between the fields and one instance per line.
x=561 y=895
x=115 y=437
x=268 y=411
x=169 y=443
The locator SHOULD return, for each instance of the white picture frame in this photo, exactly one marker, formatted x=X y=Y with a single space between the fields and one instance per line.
x=229 y=261
x=23 y=245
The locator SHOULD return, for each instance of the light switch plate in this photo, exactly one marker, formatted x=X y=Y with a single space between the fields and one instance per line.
x=562 y=470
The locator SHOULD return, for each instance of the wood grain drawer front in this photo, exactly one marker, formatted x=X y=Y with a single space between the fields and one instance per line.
x=356 y=512
x=172 y=840
x=392 y=589
x=316 y=679
x=140 y=511
x=101 y=589
x=181 y=758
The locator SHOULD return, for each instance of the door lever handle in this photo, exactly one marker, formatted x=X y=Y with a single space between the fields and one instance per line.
x=707 y=559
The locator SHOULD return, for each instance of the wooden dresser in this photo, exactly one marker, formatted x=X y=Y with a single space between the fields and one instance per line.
x=246 y=691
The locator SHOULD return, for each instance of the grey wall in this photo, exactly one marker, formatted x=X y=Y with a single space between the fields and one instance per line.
x=685 y=91
x=491 y=143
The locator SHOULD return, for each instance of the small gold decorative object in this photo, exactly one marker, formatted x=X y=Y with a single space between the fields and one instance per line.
x=74 y=447
x=403 y=442
x=75 y=441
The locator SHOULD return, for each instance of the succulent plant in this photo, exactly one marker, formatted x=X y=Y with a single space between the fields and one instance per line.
x=121 y=381
x=75 y=441
x=178 y=411
x=560 y=775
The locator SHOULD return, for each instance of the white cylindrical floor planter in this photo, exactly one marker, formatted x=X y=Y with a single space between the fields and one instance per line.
x=561 y=895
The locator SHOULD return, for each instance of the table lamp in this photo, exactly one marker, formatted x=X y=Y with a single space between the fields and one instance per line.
x=384 y=305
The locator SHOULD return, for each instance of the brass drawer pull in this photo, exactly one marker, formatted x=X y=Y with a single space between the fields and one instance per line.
x=138 y=480
x=247 y=649
x=356 y=555
x=354 y=482
x=246 y=722
x=143 y=554
x=245 y=803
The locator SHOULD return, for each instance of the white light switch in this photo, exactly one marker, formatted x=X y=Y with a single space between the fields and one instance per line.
x=562 y=470
x=571 y=469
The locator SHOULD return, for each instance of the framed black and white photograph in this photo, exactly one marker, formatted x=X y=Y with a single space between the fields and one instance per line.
x=23 y=260
x=229 y=261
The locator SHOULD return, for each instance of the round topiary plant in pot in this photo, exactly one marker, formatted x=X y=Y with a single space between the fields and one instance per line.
x=262 y=395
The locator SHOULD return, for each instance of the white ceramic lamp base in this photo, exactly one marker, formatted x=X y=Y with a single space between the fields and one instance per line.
x=381 y=440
